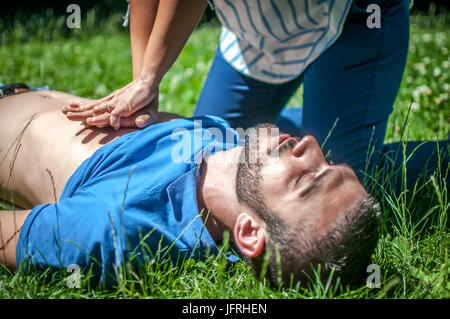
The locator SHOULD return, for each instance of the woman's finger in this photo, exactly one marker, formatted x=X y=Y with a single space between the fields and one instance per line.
x=72 y=107
x=103 y=108
x=149 y=118
x=77 y=104
x=82 y=107
x=102 y=125
x=87 y=104
x=124 y=111
x=114 y=119
x=128 y=122
x=149 y=114
x=90 y=105
x=140 y=119
x=99 y=120
x=143 y=120
x=80 y=116
x=135 y=121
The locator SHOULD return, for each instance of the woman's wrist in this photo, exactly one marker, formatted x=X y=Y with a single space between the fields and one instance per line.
x=149 y=79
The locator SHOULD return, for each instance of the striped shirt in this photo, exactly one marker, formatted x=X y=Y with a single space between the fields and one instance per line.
x=275 y=40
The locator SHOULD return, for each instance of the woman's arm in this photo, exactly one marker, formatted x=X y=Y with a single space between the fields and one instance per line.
x=142 y=18
x=174 y=22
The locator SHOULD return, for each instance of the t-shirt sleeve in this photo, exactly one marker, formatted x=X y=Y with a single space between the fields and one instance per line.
x=79 y=230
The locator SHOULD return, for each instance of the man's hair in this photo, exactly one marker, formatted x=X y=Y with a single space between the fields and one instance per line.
x=294 y=252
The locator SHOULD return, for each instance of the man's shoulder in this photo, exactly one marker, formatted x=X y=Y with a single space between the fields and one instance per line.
x=197 y=126
x=207 y=121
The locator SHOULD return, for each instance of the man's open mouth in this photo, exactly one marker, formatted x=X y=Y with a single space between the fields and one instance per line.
x=276 y=141
x=282 y=138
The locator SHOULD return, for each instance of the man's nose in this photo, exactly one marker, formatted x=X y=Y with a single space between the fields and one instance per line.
x=309 y=153
x=305 y=144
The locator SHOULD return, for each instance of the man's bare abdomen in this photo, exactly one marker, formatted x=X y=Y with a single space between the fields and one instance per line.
x=40 y=148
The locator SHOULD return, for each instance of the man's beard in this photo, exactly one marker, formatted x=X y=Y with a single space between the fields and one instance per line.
x=251 y=161
x=249 y=192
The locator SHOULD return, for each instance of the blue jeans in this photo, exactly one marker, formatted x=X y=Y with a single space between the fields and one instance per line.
x=348 y=95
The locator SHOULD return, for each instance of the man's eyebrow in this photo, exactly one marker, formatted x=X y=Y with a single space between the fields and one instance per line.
x=315 y=182
x=317 y=179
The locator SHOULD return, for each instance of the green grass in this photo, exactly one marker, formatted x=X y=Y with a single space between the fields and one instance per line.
x=414 y=246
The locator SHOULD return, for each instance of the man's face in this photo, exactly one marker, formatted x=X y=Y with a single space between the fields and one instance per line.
x=296 y=182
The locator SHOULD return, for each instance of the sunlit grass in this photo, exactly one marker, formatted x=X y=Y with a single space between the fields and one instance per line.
x=96 y=59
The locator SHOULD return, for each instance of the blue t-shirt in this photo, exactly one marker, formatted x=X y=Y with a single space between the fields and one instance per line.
x=132 y=201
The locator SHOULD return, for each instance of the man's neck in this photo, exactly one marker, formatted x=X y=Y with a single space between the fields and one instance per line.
x=216 y=192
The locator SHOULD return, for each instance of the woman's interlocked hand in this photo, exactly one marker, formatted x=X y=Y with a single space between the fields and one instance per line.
x=134 y=105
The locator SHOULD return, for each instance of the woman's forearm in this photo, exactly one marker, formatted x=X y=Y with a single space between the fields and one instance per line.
x=167 y=34
x=174 y=23
x=142 y=18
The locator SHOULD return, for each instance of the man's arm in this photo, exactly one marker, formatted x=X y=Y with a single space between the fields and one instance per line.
x=11 y=223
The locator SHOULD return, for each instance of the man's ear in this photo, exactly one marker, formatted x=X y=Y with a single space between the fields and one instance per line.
x=249 y=234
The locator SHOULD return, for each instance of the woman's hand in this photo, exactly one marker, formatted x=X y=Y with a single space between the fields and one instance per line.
x=117 y=108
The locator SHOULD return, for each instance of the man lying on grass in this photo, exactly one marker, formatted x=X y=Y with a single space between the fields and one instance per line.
x=101 y=198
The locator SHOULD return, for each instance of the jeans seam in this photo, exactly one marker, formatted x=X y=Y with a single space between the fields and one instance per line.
x=370 y=101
